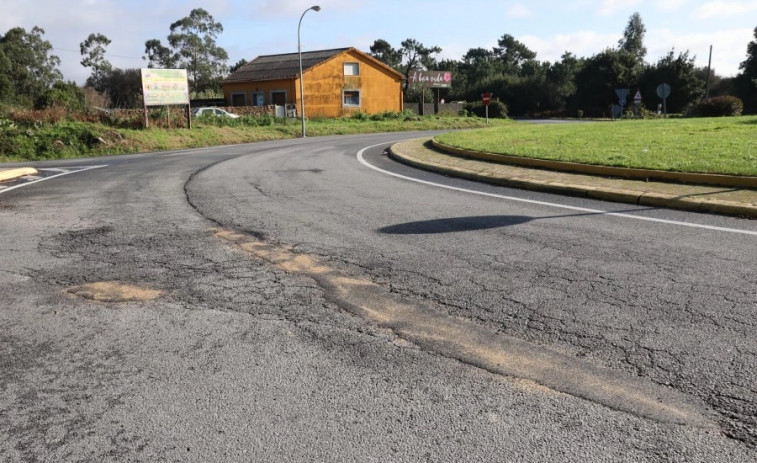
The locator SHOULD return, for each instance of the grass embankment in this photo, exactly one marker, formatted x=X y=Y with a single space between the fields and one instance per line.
x=42 y=140
x=712 y=145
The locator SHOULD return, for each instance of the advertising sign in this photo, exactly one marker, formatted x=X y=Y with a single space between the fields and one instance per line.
x=430 y=79
x=162 y=87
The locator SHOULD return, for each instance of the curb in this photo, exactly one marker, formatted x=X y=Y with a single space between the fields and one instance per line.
x=575 y=167
x=10 y=174
x=601 y=193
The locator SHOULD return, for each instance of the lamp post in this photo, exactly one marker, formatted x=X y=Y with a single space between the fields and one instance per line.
x=302 y=85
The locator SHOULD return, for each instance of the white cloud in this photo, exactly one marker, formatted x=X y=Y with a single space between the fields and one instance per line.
x=724 y=9
x=671 y=5
x=295 y=8
x=518 y=11
x=582 y=44
x=729 y=47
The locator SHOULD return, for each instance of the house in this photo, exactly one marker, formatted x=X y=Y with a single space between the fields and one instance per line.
x=337 y=83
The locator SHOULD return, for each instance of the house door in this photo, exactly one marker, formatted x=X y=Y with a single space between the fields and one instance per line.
x=279 y=98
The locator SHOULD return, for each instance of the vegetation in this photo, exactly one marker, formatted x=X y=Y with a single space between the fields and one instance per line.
x=718 y=106
x=93 y=52
x=707 y=145
x=29 y=135
x=571 y=85
x=193 y=47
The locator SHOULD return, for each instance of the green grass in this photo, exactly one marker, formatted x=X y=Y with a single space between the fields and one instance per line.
x=21 y=141
x=711 y=145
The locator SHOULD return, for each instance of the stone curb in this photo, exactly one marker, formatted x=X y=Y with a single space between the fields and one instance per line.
x=10 y=174
x=601 y=193
x=640 y=174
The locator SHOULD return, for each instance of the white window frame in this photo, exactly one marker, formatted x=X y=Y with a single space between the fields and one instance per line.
x=359 y=98
x=352 y=65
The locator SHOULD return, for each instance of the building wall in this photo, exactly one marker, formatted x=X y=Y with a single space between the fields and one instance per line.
x=265 y=86
x=379 y=89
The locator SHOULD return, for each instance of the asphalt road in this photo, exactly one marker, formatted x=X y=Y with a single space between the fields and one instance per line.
x=285 y=301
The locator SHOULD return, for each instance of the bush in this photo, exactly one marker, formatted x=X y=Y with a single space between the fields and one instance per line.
x=718 y=106
x=497 y=109
x=360 y=116
x=66 y=95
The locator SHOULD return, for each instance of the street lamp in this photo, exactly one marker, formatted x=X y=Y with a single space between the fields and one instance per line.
x=302 y=85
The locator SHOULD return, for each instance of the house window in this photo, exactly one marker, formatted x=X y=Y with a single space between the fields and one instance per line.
x=351 y=69
x=351 y=98
x=238 y=99
x=258 y=99
x=278 y=97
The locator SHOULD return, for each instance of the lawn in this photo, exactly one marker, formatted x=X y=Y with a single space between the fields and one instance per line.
x=710 y=145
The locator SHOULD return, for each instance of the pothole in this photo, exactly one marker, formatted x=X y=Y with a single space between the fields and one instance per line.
x=473 y=344
x=113 y=291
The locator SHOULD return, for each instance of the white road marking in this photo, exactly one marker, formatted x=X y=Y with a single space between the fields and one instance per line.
x=544 y=203
x=52 y=176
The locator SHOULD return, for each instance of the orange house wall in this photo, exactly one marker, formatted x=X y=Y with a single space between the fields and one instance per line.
x=380 y=89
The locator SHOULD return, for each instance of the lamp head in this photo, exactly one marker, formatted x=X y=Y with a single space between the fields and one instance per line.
x=315 y=8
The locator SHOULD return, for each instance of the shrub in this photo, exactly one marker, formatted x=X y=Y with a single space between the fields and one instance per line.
x=718 y=106
x=66 y=95
x=497 y=109
x=360 y=116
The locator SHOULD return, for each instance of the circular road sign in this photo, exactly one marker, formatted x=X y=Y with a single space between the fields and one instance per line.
x=663 y=90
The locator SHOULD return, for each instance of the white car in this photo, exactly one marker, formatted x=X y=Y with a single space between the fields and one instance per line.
x=212 y=111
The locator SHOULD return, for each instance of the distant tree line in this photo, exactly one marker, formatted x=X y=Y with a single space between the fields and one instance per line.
x=573 y=85
x=29 y=74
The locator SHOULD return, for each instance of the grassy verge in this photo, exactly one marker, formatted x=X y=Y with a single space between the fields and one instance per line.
x=712 y=145
x=41 y=140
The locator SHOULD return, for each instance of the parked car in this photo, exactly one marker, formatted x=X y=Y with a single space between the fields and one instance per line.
x=213 y=111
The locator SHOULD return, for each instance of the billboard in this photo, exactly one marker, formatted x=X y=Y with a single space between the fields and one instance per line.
x=430 y=79
x=162 y=87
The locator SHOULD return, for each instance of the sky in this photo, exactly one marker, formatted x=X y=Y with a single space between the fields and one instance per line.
x=263 y=27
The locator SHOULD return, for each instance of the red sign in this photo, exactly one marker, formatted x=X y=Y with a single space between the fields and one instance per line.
x=637 y=97
x=486 y=98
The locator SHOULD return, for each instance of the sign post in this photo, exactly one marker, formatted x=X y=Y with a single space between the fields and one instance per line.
x=486 y=98
x=164 y=87
x=621 y=93
x=637 y=102
x=663 y=91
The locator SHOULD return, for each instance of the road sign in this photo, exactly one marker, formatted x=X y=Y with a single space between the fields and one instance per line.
x=637 y=97
x=486 y=98
x=622 y=93
x=663 y=90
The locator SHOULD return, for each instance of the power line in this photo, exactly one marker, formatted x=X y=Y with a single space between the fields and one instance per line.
x=108 y=54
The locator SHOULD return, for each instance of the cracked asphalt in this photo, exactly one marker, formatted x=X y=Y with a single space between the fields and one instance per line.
x=238 y=359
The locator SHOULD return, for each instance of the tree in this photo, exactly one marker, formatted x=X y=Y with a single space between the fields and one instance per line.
x=93 y=51
x=633 y=38
x=598 y=78
x=159 y=56
x=680 y=73
x=30 y=69
x=124 y=88
x=746 y=80
x=516 y=57
x=416 y=56
x=192 y=47
x=384 y=52
x=478 y=66
x=238 y=65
